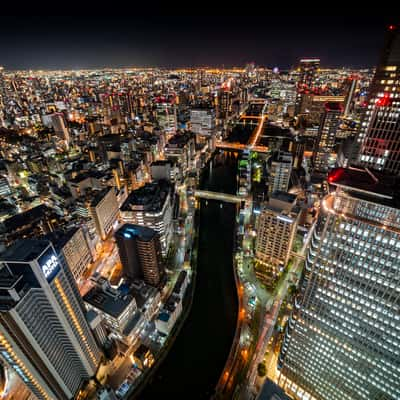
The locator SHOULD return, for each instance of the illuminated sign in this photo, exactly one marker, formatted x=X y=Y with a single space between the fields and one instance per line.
x=49 y=265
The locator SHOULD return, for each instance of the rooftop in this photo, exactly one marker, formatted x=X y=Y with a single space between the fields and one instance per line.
x=60 y=238
x=28 y=217
x=151 y=196
x=367 y=185
x=113 y=304
x=25 y=250
x=284 y=196
x=129 y=231
x=99 y=195
x=333 y=106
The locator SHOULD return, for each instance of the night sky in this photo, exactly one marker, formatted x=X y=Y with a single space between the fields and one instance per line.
x=165 y=41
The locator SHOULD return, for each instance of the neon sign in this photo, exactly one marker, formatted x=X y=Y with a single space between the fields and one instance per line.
x=50 y=267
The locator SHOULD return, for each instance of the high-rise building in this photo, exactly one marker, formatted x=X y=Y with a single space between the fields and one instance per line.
x=279 y=173
x=351 y=85
x=379 y=134
x=151 y=206
x=308 y=69
x=342 y=341
x=73 y=246
x=276 y=230
x=202 y=121
x=140 y=253
x=104 y=211
x=60 y=127
x=326 y=139
x=44 y=335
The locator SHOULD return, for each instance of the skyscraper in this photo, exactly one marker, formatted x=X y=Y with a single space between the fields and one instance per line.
x=140 y=253
x=104 y=211
x=44 y=335
x=151 y=205
x=280 y=171
x=276 y=229
x=326 y=139
x=379 y=137
x=308 y=69
x=343 y=342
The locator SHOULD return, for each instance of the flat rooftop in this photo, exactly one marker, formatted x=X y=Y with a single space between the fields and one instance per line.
x=368 y=185
x=33 y=215
x=60 y=238
x=107 y=302
x=151 y=196
x=99 y=195
x=283 y=196
x=25 y=250
x=129 y=231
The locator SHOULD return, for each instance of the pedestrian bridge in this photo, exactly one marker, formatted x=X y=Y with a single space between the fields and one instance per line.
x=230 y=198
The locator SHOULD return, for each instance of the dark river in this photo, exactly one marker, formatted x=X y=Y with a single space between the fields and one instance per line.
x=195 y=361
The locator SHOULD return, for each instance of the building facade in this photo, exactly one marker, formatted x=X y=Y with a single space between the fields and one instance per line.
x=378 y=138
x=202 y=121
x=140 y=253
x=276 y=230
x=151 y=206
x=326 y=139
x=280 y=170
x=342 y=340
x=104 y=211
x=44 y=335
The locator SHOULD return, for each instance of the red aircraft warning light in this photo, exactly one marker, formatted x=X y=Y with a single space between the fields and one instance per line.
x=335 y=175
x=384 y=101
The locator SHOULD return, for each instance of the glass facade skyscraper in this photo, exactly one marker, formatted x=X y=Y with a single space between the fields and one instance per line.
x=379 y=137
x=342 y=342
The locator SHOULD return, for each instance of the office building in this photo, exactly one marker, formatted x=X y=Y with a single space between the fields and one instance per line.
x=325 y=142
x=60 y=127
x=342 y=341
x=169 y=314
x=202 y=121
x=308 y=70
x=104 y=211
x=5 y=189
x=73 y=246
x=163 y=170
x=44 y=335
x=280 y=171
x=140 y=253
x=276 y=230
x=151 y=206
x=313 y=106
x=378 y=138
x=115 y=307
x=180 y=149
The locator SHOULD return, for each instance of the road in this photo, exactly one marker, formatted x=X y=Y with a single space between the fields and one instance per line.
x=251 y=388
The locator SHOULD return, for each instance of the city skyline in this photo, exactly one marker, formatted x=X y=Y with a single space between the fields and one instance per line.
x=51 y=42
x=206 y=233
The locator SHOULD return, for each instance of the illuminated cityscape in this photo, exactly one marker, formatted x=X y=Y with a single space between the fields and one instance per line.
x=200 y=226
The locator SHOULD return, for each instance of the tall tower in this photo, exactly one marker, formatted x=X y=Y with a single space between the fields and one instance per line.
x=140 y=253
x=342 y=341
x=308 y=72
x=325 y=141
x=379 y=136
x=276 y=229
x=44 y=335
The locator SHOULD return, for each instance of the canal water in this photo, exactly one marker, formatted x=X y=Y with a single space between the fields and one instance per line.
x=196 y=360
